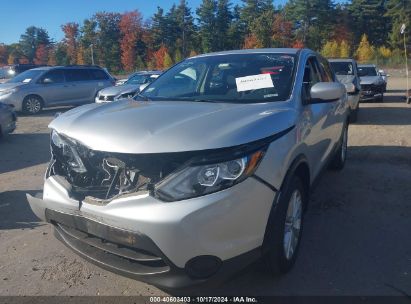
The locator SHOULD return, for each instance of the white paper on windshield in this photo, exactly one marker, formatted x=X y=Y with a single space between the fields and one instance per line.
x=254 y=82
x=26 y=80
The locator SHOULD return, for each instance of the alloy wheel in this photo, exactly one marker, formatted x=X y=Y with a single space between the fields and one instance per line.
x=33 y=105
x=292 y=227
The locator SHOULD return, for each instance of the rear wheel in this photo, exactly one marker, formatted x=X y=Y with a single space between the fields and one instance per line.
x=32 y=104
x=286 y=228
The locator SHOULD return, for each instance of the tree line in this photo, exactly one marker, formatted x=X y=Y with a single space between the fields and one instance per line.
x=366 y=29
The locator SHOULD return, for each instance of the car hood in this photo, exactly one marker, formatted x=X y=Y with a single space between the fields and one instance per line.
x=8 y=86
x=122 y=89
x=345 y=78
x=158 y=127
x=370 y=79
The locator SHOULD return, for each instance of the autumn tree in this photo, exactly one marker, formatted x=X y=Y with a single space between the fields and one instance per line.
x=365 y=51
x=344 y=49
x=167 y=62
x=80 y=55
x=130 y=28
x=330 y=49
x=71 y=33
x=41 y=55
x=52 y=57
x=282 y=32
x=159 y=56
x=251 y=42
x=4 y=54
x=30 y=40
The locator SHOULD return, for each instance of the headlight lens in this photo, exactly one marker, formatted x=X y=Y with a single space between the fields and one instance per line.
x=68 y=151
x=198 y=180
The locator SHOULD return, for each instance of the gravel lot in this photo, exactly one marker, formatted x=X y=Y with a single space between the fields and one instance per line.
x=356 y=239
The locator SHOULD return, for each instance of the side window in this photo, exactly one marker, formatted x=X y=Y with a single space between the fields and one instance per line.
x=54 y=76
x=326 y=73
x=77 y=75
x=98 y=74
x=311 y=77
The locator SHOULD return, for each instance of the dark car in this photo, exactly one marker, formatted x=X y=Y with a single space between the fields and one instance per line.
x=7 y=119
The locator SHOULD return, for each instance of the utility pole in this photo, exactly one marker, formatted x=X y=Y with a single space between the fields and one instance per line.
x=92 y=54
x=407 y=97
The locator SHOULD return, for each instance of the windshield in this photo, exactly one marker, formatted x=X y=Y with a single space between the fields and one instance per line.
x=367 y=71
x=342 y=68
x=26 y=76
x=227 y=78
x=137 y=79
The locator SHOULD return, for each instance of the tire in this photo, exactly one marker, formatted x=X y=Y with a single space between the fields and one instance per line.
x=340 y=156
x=32 y=104
x=354 y=114
x=285 y=230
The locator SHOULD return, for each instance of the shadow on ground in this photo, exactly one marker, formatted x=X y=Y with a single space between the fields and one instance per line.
x=370 y=115
x=20 y=151
x=15 y=212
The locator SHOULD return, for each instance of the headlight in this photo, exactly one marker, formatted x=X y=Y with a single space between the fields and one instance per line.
x=8 y=91
x=198 y=180
x=68 y=151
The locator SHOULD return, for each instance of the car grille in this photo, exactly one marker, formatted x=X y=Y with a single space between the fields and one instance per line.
x=369 y=87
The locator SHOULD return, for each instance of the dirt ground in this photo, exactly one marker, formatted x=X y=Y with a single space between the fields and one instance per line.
x=356 y=239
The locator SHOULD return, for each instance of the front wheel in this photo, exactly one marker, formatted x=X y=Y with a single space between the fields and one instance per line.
x=286 y=228
x=338 y=161
x=32 y=105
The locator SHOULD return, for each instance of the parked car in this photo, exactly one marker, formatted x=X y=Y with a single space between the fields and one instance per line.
x=8 y=119
x=372 y=84
x=35 y=89
x=347 y=73
x=384 y=76
x=133 y=85
x=206 y=170
x=9 y=71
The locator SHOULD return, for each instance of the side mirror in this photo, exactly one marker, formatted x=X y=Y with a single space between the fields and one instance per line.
x=326 y=92
x=47 y=81
x=350 y=88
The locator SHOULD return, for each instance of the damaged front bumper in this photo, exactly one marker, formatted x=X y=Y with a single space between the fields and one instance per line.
x=168 y=244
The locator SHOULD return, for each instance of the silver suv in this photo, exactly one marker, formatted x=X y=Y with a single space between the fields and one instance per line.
x=35 y=89
x=206 y=170
x=346 y=71
x=137 y=82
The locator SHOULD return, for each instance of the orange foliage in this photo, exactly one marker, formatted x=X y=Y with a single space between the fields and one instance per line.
x=159 y=57
x=71 y=32
x=131 y=30
x=42 y=54
x=298 y=44
x=282 y=31
x=251 y=42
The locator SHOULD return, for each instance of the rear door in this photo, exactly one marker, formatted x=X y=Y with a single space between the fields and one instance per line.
x=53 y=88
x=81 y=85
